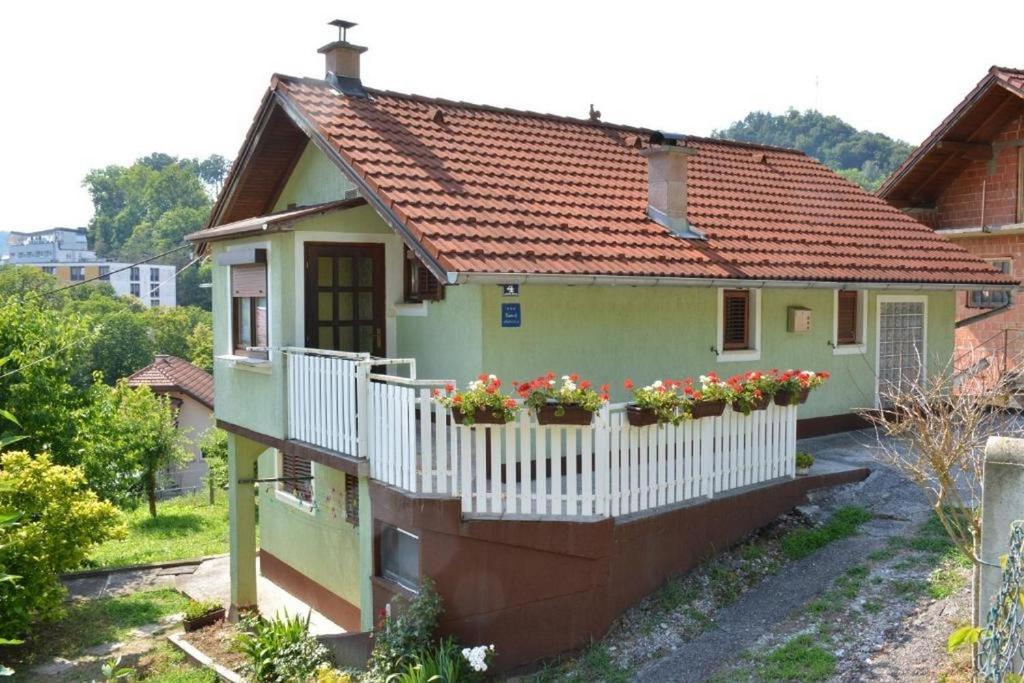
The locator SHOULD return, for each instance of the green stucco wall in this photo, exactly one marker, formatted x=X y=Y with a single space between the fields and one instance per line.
x=314 y=180
x=447 y=343
x=319 y=543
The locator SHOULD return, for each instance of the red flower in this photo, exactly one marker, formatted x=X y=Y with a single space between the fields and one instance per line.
x=585 y=384
x=604 y=389
x=491 y=390
x=628 y=384
x=497 y=384
x=482 y=377
x=457 y=399
x=510 y=403
x=604 y=396
x=696 y=395
x=824 y=374
x=574 y=377
x=449 y=388
x=435 y=393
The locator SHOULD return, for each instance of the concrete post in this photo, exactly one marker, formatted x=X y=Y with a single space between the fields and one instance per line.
x=242 y=455
x=366 y=555
x=1003 y=503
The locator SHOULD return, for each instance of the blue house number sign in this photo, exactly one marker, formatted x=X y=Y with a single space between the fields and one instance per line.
x=511 y=315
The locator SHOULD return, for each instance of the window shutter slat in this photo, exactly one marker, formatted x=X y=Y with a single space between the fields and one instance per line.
x=735 y=319
x=296 y=466
x=846 y=318
x=352 y=499
x=249 y=280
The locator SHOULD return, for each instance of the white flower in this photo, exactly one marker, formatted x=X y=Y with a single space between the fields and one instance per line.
x=492 y=377
x=477 y=656
x=551 y=382
x=657 y=384
x=569 y=386
x=704 y=379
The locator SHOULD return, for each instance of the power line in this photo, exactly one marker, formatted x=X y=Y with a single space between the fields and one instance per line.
x=118 y=270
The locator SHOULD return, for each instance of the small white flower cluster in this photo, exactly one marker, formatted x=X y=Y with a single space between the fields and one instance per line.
x=706 y=381
x=477 y=656
x=480 y=384
x=567 y=383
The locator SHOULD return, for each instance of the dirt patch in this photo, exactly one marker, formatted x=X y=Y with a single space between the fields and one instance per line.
x=217 y=642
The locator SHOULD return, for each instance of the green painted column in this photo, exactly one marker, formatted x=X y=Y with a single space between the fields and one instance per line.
x=366 y=616
x=242 y=454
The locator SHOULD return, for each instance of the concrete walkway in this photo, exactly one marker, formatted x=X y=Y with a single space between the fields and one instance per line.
x=899 y=508
x=205 y=580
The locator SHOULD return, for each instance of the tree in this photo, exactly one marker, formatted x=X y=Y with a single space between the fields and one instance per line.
x=200 y=346
x=171 y=328
x=862 y=157
x=60 y=523
x=127 y=437
x=214 y=445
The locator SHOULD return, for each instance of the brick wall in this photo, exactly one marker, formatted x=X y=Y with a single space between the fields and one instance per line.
x=974 y=341
x=959 y=205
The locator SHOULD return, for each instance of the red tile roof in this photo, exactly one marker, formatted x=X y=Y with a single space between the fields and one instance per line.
x=170 y=373
x=488 y=190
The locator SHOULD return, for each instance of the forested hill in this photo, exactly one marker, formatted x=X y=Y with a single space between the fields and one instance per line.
x=864 y=157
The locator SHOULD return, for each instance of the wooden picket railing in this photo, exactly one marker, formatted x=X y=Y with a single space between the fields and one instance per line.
x=608 y=468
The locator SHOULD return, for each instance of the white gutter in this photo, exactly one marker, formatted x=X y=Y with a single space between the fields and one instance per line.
x=1007 y=229
x=627 y=281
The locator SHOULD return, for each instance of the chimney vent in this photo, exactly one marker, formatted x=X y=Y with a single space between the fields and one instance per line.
x=667 y=166
x=342 y=59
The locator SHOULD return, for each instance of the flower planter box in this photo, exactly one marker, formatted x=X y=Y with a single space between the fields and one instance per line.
x=205 y=620
x=571 y=415
x=803 y=471
x=786 y=398
x=640 y=417
x=707 y=409
x=480 y=417
x=757 y=404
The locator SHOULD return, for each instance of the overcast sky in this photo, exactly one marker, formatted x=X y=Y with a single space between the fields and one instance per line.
x=89 y=84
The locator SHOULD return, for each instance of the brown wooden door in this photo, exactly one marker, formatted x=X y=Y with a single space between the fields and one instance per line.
x=345 y=297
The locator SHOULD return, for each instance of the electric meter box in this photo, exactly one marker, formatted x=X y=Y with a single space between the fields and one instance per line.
x=799 y=319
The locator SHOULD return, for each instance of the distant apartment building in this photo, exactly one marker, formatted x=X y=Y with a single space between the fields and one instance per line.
x=64 y=253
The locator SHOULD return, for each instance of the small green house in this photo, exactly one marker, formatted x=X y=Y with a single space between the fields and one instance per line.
x=371 y=246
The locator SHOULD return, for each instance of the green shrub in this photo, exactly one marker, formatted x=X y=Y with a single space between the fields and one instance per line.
x=442 y=664
x=804 y=459
x=200 y=608
x=398 y=638
x=61 y=521
x=281 y=650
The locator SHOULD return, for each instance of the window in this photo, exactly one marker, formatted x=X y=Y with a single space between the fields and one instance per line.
x=154 y=303
x=77 y=273
x=104 y=272
x=136 y=289
x=848 y=322
x=988 y=299
x=154 y=275
x=352 y=499
x=736 y=319
x=50 y=270
x=134 y=274
x=297 y=476
x=400 y=557
x=420 y=283
x=154 y=290
x=739 y=324
x=249 y=307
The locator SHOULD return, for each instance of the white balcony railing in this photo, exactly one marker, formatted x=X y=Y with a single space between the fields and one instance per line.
x=608 y=468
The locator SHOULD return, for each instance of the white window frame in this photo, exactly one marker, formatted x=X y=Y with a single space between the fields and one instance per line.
x=246 y=362
x=861 y=346
x=896 y=299
x=755 y=331
x=282 y=495
x=992 y=260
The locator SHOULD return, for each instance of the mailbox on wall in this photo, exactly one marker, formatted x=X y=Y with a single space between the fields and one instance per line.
x=799 y=319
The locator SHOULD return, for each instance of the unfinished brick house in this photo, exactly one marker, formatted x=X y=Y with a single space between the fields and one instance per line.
x=967 y=182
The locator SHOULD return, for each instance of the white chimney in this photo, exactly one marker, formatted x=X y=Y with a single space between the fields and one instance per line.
x=667 y=161
x=342 y=60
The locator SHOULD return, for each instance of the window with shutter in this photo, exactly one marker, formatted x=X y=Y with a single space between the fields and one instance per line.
x=990 y=299
x=846 y=317
x=735 y=319
x=249 y=307
x=298 y=474
x=420 y=283
x=352 y=499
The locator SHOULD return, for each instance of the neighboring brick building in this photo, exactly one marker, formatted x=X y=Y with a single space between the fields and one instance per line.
x=967 y=181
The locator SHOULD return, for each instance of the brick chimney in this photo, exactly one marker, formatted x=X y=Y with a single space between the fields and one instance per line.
x=667 y=162
x=342 y=60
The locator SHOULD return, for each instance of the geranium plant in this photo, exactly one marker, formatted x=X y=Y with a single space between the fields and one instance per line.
x=662 y=398
x=791 y=386
x=482 y=401
x=708 y=397
x=751 y=391
x=572 y=391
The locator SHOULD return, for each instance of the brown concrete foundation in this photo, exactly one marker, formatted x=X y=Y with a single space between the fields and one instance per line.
x=332 y=606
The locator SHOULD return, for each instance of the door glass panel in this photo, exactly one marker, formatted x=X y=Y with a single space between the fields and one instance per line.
x=365 y=338
x=324 y=272
x=344 y=271
x=326 y=338
x=345 y=311
x=345 y=339
x=366 y=272
x=325 y=306
x=366 y=306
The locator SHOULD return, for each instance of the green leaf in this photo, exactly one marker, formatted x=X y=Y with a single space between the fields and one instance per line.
x=965 y=635
x=9 y=517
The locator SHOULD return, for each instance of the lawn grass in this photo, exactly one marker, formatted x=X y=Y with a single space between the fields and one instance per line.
x=93 y=622
x=166 y=664
x=184 y=528
x=801 y=659
x=845 y=522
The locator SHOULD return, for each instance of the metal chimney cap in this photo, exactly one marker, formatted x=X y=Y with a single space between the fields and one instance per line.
x=343 y=27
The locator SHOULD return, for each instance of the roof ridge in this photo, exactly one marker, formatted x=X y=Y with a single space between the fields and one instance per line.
x=426 y=99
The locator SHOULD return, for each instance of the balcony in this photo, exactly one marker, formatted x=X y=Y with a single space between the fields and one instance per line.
x=340 y=402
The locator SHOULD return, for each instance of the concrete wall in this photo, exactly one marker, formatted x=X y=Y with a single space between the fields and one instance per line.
x=194 y=419
x=1003 y=504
